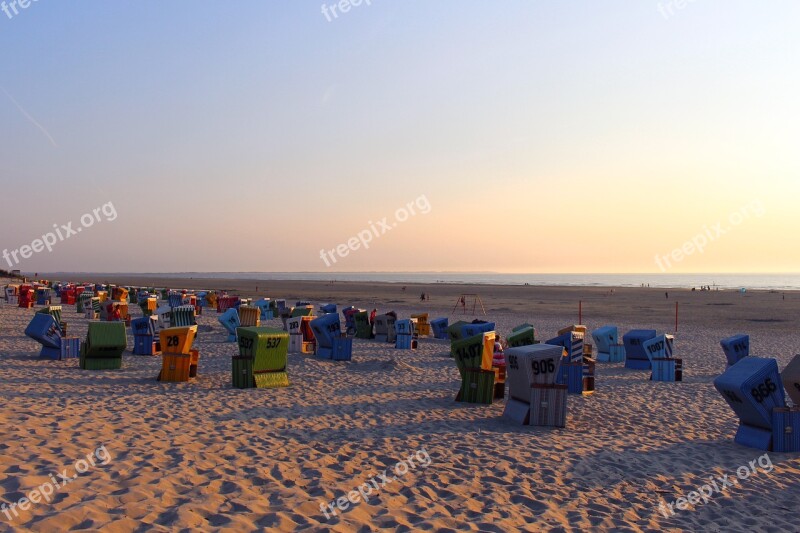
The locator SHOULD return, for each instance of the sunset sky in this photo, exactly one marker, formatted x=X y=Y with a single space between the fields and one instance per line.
x=543 y=136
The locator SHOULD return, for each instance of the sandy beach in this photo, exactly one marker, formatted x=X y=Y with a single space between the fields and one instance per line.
x=203 y=455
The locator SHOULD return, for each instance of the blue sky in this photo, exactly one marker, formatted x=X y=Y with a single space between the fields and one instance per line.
x=250 y=135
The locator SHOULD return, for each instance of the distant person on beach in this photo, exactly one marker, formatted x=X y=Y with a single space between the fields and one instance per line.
x=498 y=357
x=422 y=297
x=372 y=316
x=666 y=295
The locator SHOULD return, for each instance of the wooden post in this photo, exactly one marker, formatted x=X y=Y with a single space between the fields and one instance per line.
x=580 y=312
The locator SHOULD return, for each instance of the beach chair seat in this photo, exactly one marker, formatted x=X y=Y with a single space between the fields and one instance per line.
x=179 y=359
x=385 y=328
x=363 y=327
x=349 y=314
x=149 y=306
x=635 y=356
x=616 y=353
x=175 y=299
x=269 y=350
x=44 y=329
x=84 y=301
x=182 y=316
x=67 y=297
x=70 y=348
x=249 y=316
x=227 y=302
x=326 y=329
x=242 y=372
x=786 y=429
x=665 y=367
x=43 y=296
x=752 y=388
x=230 y=322
x=476 y=328
x=263 y=306
x=26 y=297
x=301 y=336
x=423 y=327
x=405 y=334
x=146 y=345
x=604 y=338
x=327 y=308
x=175 y=367
x=477 y=386
x=523 y=335
x=105 y=342
x=211 y=300
x=791 y=380
x=120 y=294
x=548 y=405
x=735 y=348
x=439 y=328
x=577 y=370
x=473 y=358
x=178 y=340
x=305 y=310
x=526 y=366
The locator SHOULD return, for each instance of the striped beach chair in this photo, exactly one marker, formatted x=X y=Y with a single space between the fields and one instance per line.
x=665 y=367
x=182 y=316
x=179 y=360
x=249 y=316
x=263 y=354
x=102 y=350
x=752 y=388
x=473 y=358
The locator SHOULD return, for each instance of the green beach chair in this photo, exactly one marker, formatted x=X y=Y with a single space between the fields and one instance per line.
x=105 y=342
x=268 y=348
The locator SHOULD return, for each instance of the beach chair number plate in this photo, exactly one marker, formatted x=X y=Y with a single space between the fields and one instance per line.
x=763 y=391
x=545 y=366
x=732 y=396
x=656 y=347
x=172 y=340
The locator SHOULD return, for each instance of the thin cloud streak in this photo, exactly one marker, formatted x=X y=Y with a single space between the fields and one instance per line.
x=30 y=118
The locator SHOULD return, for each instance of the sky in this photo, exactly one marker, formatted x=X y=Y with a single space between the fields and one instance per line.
x=516 y=136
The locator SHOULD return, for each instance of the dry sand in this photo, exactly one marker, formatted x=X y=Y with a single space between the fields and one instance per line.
x=202 y=455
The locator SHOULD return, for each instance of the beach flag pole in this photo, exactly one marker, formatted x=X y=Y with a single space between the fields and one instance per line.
x=580 y=311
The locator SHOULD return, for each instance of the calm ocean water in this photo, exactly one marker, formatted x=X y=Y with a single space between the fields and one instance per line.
x=777 y=282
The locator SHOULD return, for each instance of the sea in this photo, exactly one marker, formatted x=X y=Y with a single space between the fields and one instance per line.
x=776 y=282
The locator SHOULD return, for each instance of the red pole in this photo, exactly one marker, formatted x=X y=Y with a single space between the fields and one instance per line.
x=580 y=312
x=676 y=317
